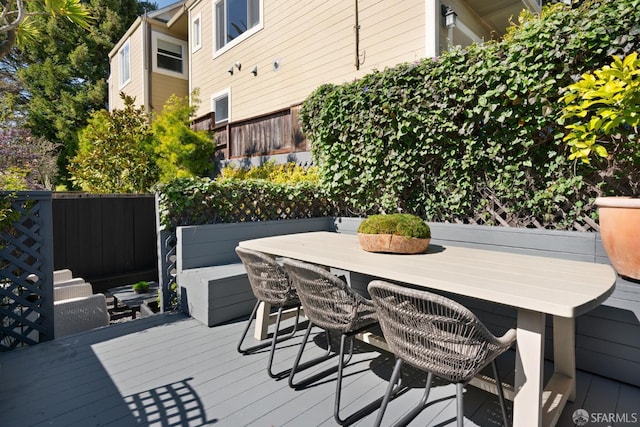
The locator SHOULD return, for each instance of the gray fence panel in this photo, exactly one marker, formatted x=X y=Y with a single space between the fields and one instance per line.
x=109 y=240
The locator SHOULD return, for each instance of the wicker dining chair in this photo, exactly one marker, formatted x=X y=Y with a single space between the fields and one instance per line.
x=437 y=335
x=332 y=305
x=270 y=284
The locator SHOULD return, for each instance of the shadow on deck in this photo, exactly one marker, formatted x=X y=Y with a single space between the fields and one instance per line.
x=170 y=370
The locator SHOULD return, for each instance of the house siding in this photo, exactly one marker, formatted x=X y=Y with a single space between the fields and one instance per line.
x=163 y=86
x=315 y=43
x=135 y=87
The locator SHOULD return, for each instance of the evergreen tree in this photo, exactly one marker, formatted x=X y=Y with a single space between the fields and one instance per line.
x=66 y=74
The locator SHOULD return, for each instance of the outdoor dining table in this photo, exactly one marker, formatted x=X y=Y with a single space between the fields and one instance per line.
x=535 y=286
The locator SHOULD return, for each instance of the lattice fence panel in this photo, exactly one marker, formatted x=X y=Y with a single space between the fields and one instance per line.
x=26 y=271
x=497 y=213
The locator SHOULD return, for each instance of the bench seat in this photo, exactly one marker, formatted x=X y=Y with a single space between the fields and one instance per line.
x=216 y=294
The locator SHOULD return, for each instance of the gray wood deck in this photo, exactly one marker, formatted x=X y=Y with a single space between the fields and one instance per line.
x=170 y=370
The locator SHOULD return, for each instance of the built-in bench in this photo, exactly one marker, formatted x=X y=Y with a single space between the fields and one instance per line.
x=607 y=338
x=215 y=289
x=213 y=284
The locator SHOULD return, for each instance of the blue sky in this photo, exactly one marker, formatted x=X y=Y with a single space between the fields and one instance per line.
x=163 y=3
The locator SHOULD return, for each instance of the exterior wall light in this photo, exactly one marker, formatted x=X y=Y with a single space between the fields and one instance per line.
x=449 y=16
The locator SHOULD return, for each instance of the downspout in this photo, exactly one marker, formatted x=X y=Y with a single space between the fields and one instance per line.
x=146 y=54
x=356 y=27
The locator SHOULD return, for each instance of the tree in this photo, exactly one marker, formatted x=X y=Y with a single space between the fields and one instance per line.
x=13 y=98
x=65 y=74
x=26 y=163
x=115 y=153
x=181 y=151
x=18 y=26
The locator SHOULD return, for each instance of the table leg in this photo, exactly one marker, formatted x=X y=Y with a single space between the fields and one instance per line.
x=527 y=402
x=262 y=321
x=564 y=350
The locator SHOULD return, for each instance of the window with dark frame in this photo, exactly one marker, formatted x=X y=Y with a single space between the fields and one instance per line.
x=170 y=56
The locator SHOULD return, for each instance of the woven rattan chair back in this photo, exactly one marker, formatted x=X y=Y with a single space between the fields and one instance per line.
x=331 y=304
x=327 y=300
x=269 y=281
x=434 y=333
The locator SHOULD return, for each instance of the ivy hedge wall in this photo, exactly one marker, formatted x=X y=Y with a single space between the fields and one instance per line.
x=446 y=137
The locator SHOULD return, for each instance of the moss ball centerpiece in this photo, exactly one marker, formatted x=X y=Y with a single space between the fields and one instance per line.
x=394 y=233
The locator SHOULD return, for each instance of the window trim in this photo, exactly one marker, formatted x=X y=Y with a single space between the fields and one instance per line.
x=226 y=92
x=125 y=49
x=196 y=37
x=155 y=36
x=251 y=31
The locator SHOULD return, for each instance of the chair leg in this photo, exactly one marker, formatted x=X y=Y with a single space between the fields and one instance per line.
x=460 y=403
x=397 y=369
x=267 y=342
x=246 y=329
x=421 y=404
x=503 y=406
x=275 y=341
x=336 y=403
x=297 y=367
x=364 y=411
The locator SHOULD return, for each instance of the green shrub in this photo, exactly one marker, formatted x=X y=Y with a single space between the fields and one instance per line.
x=400 y=224
x=115 y=153
x=140 y=286
x=474 y=131
x=289 y=172
x=181 y=151
x=192 y=201
x=602 y=110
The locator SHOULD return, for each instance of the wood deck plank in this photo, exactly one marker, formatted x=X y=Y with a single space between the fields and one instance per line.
x=172 y=370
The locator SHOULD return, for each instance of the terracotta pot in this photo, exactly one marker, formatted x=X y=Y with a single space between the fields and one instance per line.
x=392 y=243
x=620 y=232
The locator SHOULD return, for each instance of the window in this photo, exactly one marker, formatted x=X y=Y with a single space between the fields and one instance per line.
x=220 y=105
x=169 y=55
x=196 y=33
x=124 y=60
x=236 y=20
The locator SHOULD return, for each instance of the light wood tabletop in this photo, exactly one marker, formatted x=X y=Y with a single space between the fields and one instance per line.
x=554 y=286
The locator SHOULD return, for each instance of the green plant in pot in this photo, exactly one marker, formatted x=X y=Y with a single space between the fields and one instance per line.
x=140 y=287
x=602 y=115
x=394 y=233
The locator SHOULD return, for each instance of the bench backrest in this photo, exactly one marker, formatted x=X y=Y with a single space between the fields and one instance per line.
x=214 y=244
x=574 y=245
